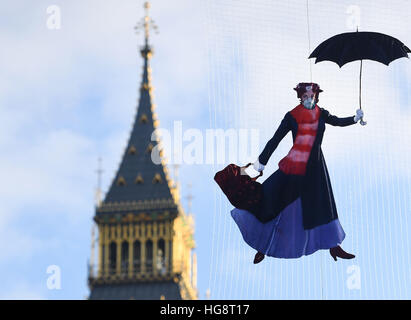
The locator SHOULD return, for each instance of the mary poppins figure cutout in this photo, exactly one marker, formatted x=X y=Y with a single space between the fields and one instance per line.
x=298 y=215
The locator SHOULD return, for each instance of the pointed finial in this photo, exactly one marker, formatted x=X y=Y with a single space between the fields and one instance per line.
x=98 y=190
x=146 y=23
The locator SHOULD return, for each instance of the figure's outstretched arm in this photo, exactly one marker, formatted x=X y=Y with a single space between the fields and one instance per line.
x=336 y=121
x=275 y=140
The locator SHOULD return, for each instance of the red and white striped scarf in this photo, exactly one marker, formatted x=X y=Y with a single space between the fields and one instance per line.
x=295 y=162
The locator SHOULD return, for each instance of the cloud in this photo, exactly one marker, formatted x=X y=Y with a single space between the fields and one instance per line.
x=47 y=180
x=16 y=246
x=47 y=169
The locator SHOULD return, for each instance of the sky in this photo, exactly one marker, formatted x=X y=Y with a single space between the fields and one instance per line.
x=69 y=95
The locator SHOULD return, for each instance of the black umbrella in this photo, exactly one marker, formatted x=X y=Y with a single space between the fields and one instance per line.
x=353 y=46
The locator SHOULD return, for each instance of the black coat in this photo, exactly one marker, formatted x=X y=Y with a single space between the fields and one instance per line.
x=314 y=187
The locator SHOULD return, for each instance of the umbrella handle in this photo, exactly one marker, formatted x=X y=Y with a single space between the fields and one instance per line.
x=363 y=123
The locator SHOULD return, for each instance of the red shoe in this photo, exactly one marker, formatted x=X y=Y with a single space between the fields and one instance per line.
x=258 y=257
x=339 y=252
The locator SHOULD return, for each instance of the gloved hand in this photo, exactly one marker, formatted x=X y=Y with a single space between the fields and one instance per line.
x=258 y=166
x=359 y=115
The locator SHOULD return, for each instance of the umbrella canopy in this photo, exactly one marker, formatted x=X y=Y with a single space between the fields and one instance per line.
x=352 y=46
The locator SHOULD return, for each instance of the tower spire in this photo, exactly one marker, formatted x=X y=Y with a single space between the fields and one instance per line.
x=143 y=234
x=142 y=175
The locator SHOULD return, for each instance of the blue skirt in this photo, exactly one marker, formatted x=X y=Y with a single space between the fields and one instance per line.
x=284 y=236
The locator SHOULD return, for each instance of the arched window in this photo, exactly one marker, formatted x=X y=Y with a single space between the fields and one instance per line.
x=137 y=256
x=149 y=256
x=112 y=258
x=124 y=258
x=161 y=266
x=170 y=255
x=103 y=259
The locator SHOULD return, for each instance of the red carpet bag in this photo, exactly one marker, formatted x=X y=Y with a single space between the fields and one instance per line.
x=242 y=191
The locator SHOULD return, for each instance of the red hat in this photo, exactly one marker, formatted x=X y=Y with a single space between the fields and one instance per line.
x=302 y=87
